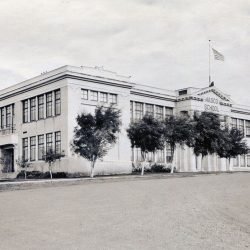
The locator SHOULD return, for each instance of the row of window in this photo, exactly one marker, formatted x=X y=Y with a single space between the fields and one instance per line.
x=138 y=110
x=242 y=125
x=35 y=147
x=242 y=161
x=98 y=96
x=42 y=106
x=160 y=156
x=7 y=114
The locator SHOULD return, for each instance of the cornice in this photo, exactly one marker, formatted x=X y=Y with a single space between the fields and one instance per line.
x=153 y=96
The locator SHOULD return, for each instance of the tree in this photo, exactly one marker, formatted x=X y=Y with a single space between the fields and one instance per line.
x=231 y=144
x=24 y=164
x=177 y=131
x=207 y=134
x=146 y=134
x=96 y=133
x=50 y=157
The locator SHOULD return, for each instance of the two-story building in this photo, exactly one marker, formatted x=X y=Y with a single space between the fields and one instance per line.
x=39 y=114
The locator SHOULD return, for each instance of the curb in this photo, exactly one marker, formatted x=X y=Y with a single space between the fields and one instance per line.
x=32 y=184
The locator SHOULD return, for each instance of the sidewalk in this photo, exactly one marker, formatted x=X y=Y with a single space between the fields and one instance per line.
x=9 y=185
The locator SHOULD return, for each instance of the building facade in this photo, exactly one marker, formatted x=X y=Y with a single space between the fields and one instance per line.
x=39 y=114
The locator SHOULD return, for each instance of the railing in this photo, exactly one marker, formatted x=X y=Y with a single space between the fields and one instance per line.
x=7 y=131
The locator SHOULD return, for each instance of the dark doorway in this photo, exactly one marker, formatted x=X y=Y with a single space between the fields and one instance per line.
x=7 y=160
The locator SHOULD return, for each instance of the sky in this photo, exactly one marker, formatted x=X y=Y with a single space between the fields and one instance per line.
x=162 y=43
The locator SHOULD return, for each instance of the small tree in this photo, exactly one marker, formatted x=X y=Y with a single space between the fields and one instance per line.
x=231 y=144
x=207 y=133
x=24 y=164
x=177 y=131
x=96 y=133
x=50 y=157
x=146 y=134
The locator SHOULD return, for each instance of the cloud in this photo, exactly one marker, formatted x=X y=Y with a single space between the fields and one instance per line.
x=160 y=42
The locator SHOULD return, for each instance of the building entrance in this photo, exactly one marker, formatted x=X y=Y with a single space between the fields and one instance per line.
x=7 y=160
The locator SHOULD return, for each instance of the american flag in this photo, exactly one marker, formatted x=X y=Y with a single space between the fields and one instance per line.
x=218 y=55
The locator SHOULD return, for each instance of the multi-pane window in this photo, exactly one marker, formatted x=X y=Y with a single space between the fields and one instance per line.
x=150 y=157
x=242 y=160
x=138 y=110
x=8 y=116
x=2 y=117
x=248 y=160
x=103 y=97
x=49 y=141
x=49 y=104
x=131 y=111
x=168 y=154
x=94 y=95
x=40 y=147
x=149 y=109
x=57 y=102
x=236 y=161
x=113 y=98
x=84 y=94
x=58 y=142
x=247 y=128
x=40 y=107
x=25 y=111
x=160 y=156
x=32 y=148
x=159 y=112
x=241 y=126
x=233 y=123
x=33 y=109
x=168 y=111
x=25 y=148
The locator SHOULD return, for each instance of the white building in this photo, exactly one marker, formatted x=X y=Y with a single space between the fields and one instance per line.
x=40 y=113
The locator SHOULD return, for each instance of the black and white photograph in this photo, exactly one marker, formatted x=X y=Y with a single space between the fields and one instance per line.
x=124 y=124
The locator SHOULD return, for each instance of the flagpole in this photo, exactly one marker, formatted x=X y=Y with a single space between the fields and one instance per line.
x=209 y=62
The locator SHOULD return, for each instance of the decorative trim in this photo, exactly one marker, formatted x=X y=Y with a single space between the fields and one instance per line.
x=240 y=112
x=215 y=92
x=153 y=96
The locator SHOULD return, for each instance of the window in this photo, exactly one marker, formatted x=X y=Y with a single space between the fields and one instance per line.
x=48 y=142
x=49 y=104
x=8 y=116
x=25 y=148
x=84 y=94
x=242 y=160
x=138 y=110
x=113 y=98
x=103 y=97
x=25 y=111
x=149 y=109
x=58 y=142
x=150 y=157
x=131 y=111
x=168 y=112
x=32 y=148
x=94 y=95
x=33 y=109
x=159 y=112
x=241 y=126
x=168 y=154
x=40 y=147
x=2 y=117
x=57 y=102
x=248 y=128
x=248 y=160
x=236 y=161
x=160 y=156
x=233 y=123
x=40 y=107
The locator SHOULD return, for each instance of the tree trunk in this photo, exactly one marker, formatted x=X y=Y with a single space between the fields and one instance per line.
x=143 y=163
x=172 y=158
x=25 y=174
x=50 y=171
x=201 y=162
x=92 y=166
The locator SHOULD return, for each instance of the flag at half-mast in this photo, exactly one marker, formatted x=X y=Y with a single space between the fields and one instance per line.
x=218 y=55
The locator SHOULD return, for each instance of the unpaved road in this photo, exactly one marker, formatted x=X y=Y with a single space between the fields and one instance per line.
x=201 y=212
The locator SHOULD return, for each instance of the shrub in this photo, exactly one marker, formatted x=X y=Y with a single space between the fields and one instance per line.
x=40 y=175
